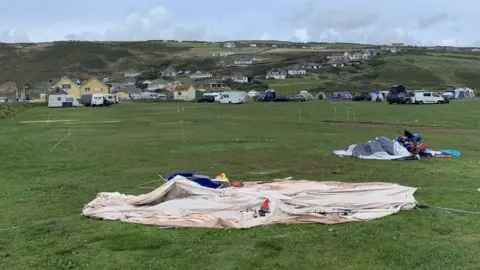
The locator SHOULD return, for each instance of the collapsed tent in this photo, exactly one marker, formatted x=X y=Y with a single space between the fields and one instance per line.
x=381 y=148
x=184 y=203
x=341 y=96
x=406 y=147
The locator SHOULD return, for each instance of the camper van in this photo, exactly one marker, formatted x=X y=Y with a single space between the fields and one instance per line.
x=149 y=96
x=423 y=97
x=94 y=100
x=232 y=97
x=112 y=98
x=62 y=101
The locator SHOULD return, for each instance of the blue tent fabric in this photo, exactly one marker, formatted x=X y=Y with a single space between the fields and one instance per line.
x=453 y=153
x=202 y=180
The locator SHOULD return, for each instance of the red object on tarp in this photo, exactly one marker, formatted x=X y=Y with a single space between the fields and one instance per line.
x=265 y=206
x=237 y=184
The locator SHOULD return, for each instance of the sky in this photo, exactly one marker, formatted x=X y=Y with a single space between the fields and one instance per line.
x=414 y=22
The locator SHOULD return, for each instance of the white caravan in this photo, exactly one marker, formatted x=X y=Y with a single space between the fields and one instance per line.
x=62 y=101
x=113 y=98
x=232 y=97
x=423 y=97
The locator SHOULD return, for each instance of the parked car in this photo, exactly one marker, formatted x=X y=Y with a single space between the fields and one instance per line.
x=400 y=98
x=206 y=99
x=298 y=98
x=364 y=96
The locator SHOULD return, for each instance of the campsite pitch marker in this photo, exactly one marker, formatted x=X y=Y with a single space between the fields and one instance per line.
x=335 y=113
x=299 y=115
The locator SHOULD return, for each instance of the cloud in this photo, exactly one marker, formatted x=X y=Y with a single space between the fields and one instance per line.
x=347 y=20
x=14 y=36
x=425 y=23
x=301 y=35
x=135 y=26
x=266 y=36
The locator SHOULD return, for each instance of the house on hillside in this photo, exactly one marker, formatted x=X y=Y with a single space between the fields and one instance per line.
x=223 y=53
x=90 y=86
x=315 y=47
x=229 y=45
x=169 y=72
x=201 y=75
x=188 y=94
x=336 y=63
x=222 y=64
x=253 y=45
x=240 y=79
x=243 y=61
x=213 y=86
x=171 y=86
x=296 y=70
x=276 y=73
x=398 y=45
x=132 y=73
x=337 y=56
x=157 y=84
x=310 y=65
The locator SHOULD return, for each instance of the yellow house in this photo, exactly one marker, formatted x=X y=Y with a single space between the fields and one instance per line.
x=78 y=89
x=122 y=95
x=94 y=86
x=67 y=85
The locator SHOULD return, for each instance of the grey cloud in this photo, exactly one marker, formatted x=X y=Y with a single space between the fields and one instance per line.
x=433 y=20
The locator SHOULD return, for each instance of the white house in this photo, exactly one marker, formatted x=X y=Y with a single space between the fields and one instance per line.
x=244 y=61
x=296 y=71
x=240 y=79
x=186 y=95
x=337 y=56
x=223 y=53
x=132 y=73
x=201 y=75
x=229 y=45
x=169 y=72
x=310 y=65
x=276 y=73
x=156 y=84
x=253 y=45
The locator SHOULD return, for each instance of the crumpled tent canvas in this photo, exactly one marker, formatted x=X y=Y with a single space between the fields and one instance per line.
x=381 y=148
x=183 y=203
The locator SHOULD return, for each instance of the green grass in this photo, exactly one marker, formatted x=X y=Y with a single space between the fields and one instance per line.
x=44 y=190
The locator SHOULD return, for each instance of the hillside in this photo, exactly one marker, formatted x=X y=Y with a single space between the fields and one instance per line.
x=35 y=64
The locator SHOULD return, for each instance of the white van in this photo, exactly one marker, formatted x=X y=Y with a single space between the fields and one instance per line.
x=113 y=98
x=62 y=101
x=95 y=100
x=232 y=97
x=216 y=96
x=149 y=96
x=423 y=97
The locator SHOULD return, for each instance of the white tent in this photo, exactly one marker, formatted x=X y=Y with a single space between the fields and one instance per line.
x=463 y=93
x=184 y=203
x=253 y=93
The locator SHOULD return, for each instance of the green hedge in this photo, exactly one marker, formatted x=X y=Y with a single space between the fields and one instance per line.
x=9 y=109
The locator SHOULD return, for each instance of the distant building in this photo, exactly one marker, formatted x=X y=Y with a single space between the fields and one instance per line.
x=201 y=75
x=185 y=94
x=296 y=70
x=132 y=73
x=244 y=61
x=76 y=89
x=276 y=73
x=240 y=79
x=229 y=45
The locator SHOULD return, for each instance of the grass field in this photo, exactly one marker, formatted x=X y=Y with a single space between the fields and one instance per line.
x=45 y=185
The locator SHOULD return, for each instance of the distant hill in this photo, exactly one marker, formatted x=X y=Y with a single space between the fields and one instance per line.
x=35 y=64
